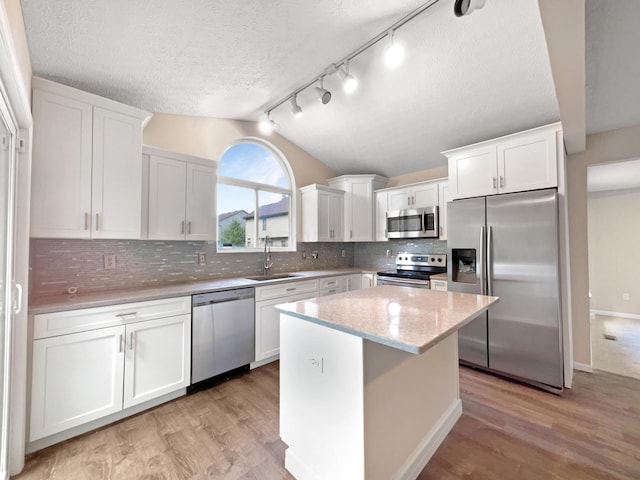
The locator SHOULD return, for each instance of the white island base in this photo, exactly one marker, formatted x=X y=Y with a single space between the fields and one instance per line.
x=353 y=409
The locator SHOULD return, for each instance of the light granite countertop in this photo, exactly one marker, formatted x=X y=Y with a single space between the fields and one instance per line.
x=99 y=299
x=409 y=319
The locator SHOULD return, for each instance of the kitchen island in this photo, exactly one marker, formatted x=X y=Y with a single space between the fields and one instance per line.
x=369 y=380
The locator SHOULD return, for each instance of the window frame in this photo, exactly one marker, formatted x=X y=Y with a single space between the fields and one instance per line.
x=257 y=188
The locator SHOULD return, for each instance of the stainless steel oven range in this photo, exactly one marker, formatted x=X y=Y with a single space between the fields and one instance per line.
x=414 y=270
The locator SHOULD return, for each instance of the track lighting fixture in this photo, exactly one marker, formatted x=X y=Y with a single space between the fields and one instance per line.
x=349 y=82
x=296 y=111
x=267 y=125
x=323 y=95
x=465 y=7
x=394 y=54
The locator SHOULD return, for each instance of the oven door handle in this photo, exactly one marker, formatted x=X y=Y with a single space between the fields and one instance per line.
x=408 y=281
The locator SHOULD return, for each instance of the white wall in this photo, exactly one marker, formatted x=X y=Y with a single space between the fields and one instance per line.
x=614 y=239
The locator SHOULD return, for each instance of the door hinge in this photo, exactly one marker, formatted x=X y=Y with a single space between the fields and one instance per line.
x=21 y=145
x=4 y=142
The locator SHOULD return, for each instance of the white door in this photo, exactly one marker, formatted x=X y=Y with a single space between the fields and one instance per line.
x=473 y=173
x=167 y=179
x=116 y=192
x=158 y=358
x=425 y=195
x=399 y=199
x=201 y=195
x=76 y=378
x=7 y=303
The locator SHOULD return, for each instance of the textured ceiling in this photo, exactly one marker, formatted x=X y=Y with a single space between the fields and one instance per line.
x=464 y=79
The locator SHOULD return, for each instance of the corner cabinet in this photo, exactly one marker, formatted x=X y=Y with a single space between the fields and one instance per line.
x=179 y=195
x=93 y=362
x=359 y=204
x=87 y=169
x=322 y=214
x=523 y=161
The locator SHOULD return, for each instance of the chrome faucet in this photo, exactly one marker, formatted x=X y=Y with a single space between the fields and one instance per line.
x=267 y=264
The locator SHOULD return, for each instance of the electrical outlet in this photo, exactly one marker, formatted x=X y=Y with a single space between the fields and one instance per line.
x=109 y=262
x=343 y=253
x=625 y=296
x=388 y=252
x=202 y=258
x=314 y=254
x=304 y=255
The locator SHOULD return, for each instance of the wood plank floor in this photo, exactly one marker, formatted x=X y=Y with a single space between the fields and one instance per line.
x=507 y=431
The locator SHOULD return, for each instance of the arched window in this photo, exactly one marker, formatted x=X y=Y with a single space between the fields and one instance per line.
x=255 y=198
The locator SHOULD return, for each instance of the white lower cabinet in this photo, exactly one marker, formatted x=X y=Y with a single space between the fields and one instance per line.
x=439 y=285
x=139 y=353
x=333 y=285
x=268 y=319
x=368 y=280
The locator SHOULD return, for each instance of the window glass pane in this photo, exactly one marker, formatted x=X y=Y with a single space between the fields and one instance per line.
x=273 y=213
x=253 y=162
x=234 y=205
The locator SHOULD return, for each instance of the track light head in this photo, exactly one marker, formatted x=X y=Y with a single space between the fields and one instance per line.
x=323 y=95
x=266 y=125
x=296 y=111
x=394 y=54
x=349 y=82
x=465 y=7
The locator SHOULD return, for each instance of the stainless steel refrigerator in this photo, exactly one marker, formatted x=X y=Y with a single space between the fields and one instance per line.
x=507 y=246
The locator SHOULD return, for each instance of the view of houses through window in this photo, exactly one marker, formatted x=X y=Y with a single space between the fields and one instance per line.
x=253 y=178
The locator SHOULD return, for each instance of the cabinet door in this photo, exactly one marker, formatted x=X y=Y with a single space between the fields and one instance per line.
x=527 y=163
x=76 y=378
x=368 y=280
x=167 y=198
x=158 y=358
x=473 y=173
x=201 y=195
x=336 y=217
x=355 y=282
x=324 y=213
x=359 y=212
x=268 y=325
x=381 y=216
x=425 y=195
x=61 y=172
x=443 y=198
x=116 y=190
x=400 y=198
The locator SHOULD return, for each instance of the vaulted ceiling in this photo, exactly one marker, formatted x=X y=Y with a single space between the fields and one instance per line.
x=463 y=80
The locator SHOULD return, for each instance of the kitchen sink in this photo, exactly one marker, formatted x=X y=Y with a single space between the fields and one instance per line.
x=278 y=276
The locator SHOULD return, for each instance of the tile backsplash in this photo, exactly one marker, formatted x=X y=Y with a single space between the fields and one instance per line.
x=58 y=264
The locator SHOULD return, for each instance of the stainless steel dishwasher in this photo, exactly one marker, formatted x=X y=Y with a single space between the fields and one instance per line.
x=223 y=333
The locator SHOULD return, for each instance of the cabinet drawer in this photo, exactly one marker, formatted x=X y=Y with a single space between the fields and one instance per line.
x=332 y=283
x=283 y=290
x=72 y=321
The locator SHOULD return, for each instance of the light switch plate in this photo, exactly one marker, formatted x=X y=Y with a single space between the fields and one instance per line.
x=202 y=258
x=109 y=262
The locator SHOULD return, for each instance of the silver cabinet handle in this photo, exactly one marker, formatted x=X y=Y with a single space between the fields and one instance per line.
x=409 y=200
x=189 y=228
x=182 y=227
x=131 y=341
x=97 y=222
x=350 y=233
x=332 y=291
x=128 y=314
x=501 y=181
x=86 y=220
x=495 y=183
x=292 y=289
x=120 y=343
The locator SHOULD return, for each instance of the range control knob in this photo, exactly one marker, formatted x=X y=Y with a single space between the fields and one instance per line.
x=440 y=260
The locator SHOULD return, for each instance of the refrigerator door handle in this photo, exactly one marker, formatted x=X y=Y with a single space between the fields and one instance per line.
x=489 y=260
x=481 y=267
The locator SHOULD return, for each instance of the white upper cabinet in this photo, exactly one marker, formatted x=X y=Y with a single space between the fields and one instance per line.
x=181 y=196
x=322 y=214
x=413 y=196
x=87 y=169
x=443 y=198
x=359 y=204
x=515 y=163
x=381 y=198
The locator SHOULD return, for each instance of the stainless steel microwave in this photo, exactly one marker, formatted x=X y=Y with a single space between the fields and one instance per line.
x=413 y=223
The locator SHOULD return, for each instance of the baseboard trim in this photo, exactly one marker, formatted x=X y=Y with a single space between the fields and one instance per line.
x=430 y=443
x=582 y=367
x=617 y=314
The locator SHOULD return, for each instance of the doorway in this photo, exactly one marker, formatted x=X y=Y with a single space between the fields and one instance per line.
x=613 y=239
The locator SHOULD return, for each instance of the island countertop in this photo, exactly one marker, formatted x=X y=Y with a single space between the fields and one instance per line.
x=406 y=318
